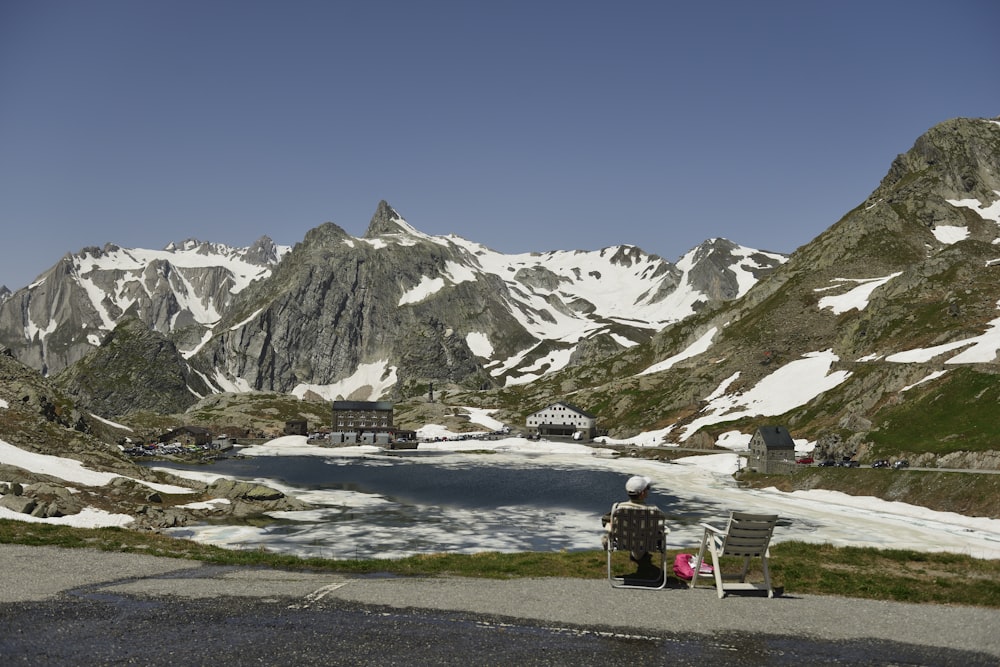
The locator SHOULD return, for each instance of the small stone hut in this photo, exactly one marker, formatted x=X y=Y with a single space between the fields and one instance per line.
x=772 y=450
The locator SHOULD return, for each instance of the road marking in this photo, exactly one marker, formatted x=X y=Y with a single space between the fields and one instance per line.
x=318 y=595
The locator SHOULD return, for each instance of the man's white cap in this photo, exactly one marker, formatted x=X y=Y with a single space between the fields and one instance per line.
x=636 y=485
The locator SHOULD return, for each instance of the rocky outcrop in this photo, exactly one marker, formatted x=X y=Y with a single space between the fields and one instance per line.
x=43 y=500
x=151 y=510
x=135 y=369
x=987 y=460
x=240 y=501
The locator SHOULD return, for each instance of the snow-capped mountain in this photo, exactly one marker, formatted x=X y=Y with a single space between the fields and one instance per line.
x=881 y=335
x=396 y=309
x=180 y=290
x=346 y=316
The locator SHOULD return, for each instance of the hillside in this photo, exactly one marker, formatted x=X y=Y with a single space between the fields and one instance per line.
x=879 y=336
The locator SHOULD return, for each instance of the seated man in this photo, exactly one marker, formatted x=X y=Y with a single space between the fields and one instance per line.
x=637 y=488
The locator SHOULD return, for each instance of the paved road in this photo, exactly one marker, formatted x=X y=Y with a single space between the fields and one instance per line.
x=88 y=607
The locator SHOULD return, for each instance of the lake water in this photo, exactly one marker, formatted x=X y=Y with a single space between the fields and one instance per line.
x=368 y=504
x=393 y=505
x=427 y=480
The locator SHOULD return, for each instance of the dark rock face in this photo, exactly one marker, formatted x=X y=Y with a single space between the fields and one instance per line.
x=135 y=369
x=406 y=305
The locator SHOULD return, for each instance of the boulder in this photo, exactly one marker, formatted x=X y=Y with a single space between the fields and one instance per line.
x=232 y=489
x=19 y=504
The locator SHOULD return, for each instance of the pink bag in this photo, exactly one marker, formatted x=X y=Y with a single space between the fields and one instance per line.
x=684 y=567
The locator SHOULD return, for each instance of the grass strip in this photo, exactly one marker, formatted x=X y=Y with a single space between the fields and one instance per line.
x=797 y=567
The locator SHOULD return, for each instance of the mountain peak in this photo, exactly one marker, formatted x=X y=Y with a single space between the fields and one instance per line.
x=263 y=251
x=387 y=221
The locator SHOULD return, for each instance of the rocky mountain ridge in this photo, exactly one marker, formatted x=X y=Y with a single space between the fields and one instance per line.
x=878 y=337
x=384 y=315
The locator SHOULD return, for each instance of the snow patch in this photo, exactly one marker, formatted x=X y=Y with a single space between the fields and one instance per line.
x=109 y=423
x=453 y=274
x=856 y=298
x=791 y=386
x=368 y=383
x=928 y=378
x=981 y=349
x=480 y=344
x=240 y=325
x=950 y=234
x=989 y=212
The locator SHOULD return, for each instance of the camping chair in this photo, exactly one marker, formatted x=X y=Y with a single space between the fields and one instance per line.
x=747 y=536
x=638 y=530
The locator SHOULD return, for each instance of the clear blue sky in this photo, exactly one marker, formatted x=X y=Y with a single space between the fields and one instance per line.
x=525 y=126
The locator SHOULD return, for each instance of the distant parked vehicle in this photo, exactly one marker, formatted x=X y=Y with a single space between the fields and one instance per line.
x=881 y=463
x=900 y=464
x=806 y=460
x=829 y=463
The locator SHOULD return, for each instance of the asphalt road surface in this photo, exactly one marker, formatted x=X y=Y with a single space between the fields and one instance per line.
x=84 y=607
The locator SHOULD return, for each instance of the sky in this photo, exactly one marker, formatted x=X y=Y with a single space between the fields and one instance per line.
x=524 y=126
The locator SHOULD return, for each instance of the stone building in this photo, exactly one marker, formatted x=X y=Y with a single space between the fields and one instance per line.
x=772 y=450
x=362 y=416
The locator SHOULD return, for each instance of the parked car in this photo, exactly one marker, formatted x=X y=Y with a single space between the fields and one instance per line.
x=881 y=463
x=829 y=463
x=900 y=464
x=806 y=460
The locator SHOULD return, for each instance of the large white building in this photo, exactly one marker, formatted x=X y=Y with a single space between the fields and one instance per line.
x=564 y=420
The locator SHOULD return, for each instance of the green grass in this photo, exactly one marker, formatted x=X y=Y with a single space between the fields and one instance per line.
x=799 y=568
x=957 y=411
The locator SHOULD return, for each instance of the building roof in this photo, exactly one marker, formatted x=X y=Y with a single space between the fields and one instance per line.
x=362 y=405
x=776 y=437
x=575 y=409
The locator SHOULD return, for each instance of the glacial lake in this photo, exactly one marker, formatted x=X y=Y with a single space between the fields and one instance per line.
x=370 y=504
x=393 y=505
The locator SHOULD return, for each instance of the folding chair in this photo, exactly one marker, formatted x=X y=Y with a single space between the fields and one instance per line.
x=638 y=530
x=746 y=536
